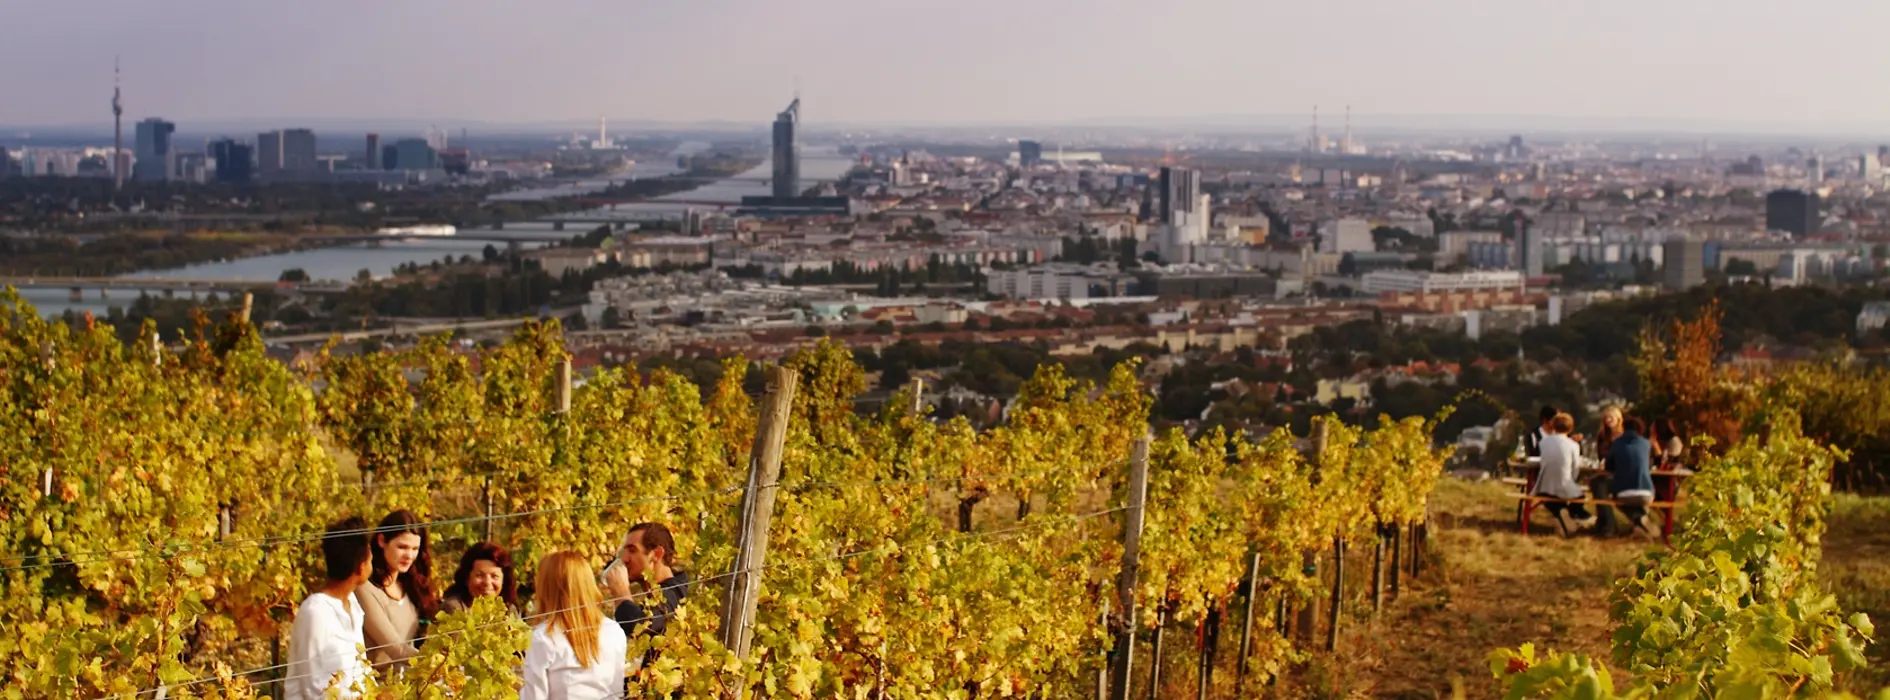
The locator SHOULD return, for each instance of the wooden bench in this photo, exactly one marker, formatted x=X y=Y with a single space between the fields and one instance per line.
x=1529 y=503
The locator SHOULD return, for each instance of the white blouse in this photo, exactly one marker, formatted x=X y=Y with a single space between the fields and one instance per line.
x=552 y=670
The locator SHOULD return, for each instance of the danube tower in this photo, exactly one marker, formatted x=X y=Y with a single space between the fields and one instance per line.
x=787 y=153
x=118 y=133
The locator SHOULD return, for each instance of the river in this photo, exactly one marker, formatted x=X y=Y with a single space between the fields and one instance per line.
x=379 y=259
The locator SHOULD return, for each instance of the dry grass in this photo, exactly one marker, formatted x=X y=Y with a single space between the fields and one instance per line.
x=1857 y=568
x=1486 y=586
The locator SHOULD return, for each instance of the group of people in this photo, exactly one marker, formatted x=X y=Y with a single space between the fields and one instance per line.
x=1628 y=456
x=377 y=595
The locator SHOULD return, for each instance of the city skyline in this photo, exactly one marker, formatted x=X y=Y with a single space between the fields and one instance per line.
x=1665 y=64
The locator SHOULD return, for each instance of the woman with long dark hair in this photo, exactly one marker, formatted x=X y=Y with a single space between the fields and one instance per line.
x=399 y=594
x=484 y=570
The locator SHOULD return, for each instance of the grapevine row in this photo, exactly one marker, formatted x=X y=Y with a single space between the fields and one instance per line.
x=172 y=545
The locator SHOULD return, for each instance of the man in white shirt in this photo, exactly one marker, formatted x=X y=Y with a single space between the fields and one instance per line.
x=1561 y=458
x=326 y=646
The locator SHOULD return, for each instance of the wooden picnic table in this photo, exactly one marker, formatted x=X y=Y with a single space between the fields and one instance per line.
x=1667 y=488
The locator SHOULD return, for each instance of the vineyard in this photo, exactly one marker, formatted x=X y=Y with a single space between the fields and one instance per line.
x=162 y=504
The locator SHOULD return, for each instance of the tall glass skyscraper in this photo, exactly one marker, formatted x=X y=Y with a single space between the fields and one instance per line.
x=154 y=150
x=787 y=152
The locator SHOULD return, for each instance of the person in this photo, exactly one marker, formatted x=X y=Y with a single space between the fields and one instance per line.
x=325 y=642
x=575 y=653
x=648 y=556
x=1667 y=443
x=484 y=570
x=398 y=595
x=1532 y=440
x=1609 y=430
x=1560 y=460
x=1629 y=482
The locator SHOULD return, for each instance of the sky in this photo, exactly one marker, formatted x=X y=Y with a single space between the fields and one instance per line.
x=1816 y=63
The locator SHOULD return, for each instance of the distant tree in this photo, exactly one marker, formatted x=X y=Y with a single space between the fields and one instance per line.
x=365 y=275
x=894 y=375
x=816 y=332
x=293 y=274
x=491 y=253
x=611 y=319
x=1737 y=267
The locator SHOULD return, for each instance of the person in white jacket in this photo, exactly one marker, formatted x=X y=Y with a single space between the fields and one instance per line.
x=1561 y=458
x=325 y=645
x=576 y=653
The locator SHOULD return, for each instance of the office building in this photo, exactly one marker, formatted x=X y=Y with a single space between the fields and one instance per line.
x=290 y=151
x=1793 y=211
x=373 y=155
x=1180 y=190
x=787 y=152
x=1685 y=260
x=411 y=154
x=232 y=161
x=1029 y=153
x=6 y=163
x=156 y=162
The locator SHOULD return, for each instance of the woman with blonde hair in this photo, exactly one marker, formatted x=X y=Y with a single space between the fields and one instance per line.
x=1610 y=429
x=576 y=652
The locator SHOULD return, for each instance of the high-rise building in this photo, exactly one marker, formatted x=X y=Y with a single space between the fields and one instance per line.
x=156 y=161
x=1029 y=153
x=1685 y=260
x=118 y=132
x=1179 y=190
x=390 y=157
x=286 y=151
x=6 y=163
x=373 y=159
x=1870 y=169
x=413 y=154
x=1531 y=252
x=232 y=161
x=787 y=152
x=1793 y=211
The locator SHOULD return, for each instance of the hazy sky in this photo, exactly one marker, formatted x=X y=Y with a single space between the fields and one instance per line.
x=901 y=61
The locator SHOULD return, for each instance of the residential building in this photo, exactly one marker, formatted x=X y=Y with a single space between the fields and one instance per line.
x=1685 y=264
x=1454 y=245
x=1383 y=281
x=1346 y=236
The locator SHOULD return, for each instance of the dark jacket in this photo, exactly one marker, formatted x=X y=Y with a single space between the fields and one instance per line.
x=631 y=614
x=1629 y=458
x=1532 y=443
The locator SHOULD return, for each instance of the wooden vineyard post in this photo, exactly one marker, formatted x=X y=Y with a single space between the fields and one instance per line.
x=1246 y=625
x=1124 y=659
x=1378 y=572
x=248 y=300
x=1397 y=558
x=1102 y=674
x=764 y=475
x=1417 y=550
x=1338 y=594
x=1309 y=560
x=1155 y=654
x=1210 y=642
x=918 y=397
x=564 y=386
x=488 y=499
